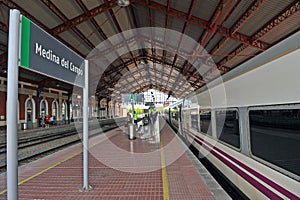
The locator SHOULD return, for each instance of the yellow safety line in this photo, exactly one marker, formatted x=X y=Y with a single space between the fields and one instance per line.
x=164 y=172
x=55 y=165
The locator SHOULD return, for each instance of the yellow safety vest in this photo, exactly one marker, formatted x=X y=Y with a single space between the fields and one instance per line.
x=135 y=116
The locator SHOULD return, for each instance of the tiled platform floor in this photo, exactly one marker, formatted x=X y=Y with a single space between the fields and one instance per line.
x=118 y=169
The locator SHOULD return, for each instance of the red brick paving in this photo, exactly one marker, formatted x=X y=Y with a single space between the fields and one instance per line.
x=123 y=181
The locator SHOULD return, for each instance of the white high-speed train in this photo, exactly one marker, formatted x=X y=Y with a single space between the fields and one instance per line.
x=247 y=124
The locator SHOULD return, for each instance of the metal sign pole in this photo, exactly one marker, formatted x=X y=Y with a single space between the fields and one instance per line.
x=11 y=105
x=132 y=106
x=133 y=100
x=86 y=185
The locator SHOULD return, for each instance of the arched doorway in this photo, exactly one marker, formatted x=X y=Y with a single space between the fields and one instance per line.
x=55 y=111
x=29 y=113
x=64 y=113
x=44 y=108
x=71 y=112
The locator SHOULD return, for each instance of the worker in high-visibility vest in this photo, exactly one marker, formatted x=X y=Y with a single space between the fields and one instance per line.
x=135 y=117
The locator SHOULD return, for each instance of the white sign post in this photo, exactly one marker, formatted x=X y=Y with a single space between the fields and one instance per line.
x=11 y=106
x=86 y=185
x=59 y=62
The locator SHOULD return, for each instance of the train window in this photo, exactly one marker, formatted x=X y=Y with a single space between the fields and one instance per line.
x=174 y=113
x=275 y=137
x=205 y=119
x=228 y=127
x=195 y=119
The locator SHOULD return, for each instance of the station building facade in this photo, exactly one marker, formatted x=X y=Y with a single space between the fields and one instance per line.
x=65 y=107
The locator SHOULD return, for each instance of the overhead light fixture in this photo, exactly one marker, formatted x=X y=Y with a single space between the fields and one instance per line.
x=142 y=62
x=123 y=3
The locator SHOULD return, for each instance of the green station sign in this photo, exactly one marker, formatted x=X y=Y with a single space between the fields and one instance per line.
x=42 y=53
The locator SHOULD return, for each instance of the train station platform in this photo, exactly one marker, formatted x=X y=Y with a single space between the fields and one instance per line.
x=156 y=165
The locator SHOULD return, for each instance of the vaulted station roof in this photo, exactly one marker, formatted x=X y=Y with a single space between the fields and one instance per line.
x=231 y=31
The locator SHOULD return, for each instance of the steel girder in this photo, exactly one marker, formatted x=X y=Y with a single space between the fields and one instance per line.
x=243 y=19
x=205 y=25
x=93 y=21
x=120 y=31
x=136 y=26
x=277 y=20
x=149 y=58
x=149 y=86
x=188 y=18
x=144 y=79
x=220 y=44
x=116 y=23
x=152 y=50
x=133 y=16
x=12 y=5
x=215 y=20
x=138 y=71
x=268 y=27
x=256 y=5
x=95 y=11
x=129 y=62
x=84 y=17
x=164 y=51
x=63 y=18
x=159 y=61
x=187 y=66
x=3 y=27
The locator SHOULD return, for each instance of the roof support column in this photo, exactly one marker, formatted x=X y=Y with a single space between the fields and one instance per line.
x=69 y=104
x=38 y=102
x=114 y=109
x=107 y=108
x=98 y=108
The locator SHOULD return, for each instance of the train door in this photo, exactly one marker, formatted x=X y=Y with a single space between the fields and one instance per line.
x=29 y=114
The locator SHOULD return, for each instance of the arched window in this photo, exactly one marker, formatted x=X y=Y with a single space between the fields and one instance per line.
x=64 y=111
x=71 y=111
x=30 y=112
x=55 y=109
x=29 y=105
x=44 y=108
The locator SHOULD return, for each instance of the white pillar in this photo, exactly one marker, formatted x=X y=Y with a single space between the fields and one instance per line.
x=12 y=105
x=86 y=185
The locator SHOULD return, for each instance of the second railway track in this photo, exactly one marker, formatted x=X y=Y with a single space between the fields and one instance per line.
x=46 y=141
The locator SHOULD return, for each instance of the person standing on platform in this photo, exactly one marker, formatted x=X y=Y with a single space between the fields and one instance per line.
x=47 y=119
x=51 y=120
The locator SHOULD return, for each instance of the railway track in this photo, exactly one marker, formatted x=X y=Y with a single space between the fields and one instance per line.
x=45 y=143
